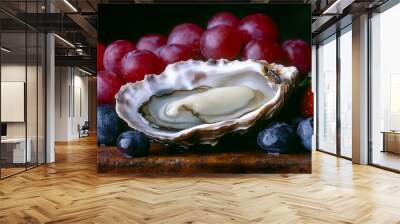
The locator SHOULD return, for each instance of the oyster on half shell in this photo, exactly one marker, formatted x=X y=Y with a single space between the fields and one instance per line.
x=196 y=102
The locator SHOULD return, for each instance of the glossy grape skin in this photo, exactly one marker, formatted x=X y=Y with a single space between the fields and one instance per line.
x=138 y=63
x=108 y=84
x=264 y=50
x=299 y=54
x=114 y=54
x=220 y=42
x=172 y=53
x=100 y=55
x=257 y=27
x=188 y=34
x=223 y=18
x=151 y=42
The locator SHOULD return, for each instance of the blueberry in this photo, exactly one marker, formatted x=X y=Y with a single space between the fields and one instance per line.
x=278 y=137
x=109 y=125
x=305 y=132
x=133 y=144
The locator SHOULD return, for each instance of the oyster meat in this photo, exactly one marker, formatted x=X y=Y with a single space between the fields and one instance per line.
x=185 y=109
x=196 y=102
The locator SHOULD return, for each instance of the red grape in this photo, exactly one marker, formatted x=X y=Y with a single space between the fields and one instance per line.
x=100 y=54
x=114 y=53
x=108 y=84
x=220 y=42
x=173 y=53
x=223 y=18
x=137 y=63
x=188 y=34
x=256 y=27
x=264 y=50
x=299 y=54
x=151 y=42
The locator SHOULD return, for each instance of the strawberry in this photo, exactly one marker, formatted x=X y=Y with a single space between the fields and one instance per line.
x=307 y=103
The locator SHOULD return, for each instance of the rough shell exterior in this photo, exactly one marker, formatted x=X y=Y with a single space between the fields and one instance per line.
x=188 y=75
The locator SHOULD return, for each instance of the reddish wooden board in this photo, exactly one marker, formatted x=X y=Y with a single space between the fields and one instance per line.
x=169 y=161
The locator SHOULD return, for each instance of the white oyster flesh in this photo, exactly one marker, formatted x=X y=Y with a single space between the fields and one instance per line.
x=215 y=104
x=154 y=111
x=185 y=109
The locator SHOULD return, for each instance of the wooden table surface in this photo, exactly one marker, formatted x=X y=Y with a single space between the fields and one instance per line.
x=169 y=160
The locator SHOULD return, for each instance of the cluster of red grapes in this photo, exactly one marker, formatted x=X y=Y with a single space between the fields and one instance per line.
x=255 y=36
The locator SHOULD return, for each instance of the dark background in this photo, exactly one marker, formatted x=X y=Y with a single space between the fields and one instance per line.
x=133 y=21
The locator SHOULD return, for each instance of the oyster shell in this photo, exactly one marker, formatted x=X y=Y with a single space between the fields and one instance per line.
x=196 y=102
